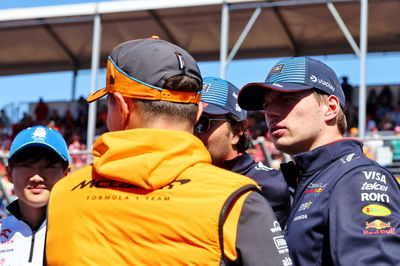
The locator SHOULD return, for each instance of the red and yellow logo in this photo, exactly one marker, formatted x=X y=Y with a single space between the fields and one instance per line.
x=378 y=227
x=377 y=224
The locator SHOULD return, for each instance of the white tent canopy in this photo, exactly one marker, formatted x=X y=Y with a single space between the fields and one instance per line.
x=80 y=36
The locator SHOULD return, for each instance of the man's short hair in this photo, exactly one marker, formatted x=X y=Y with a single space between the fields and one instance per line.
x=341 y=121
x=238 y=127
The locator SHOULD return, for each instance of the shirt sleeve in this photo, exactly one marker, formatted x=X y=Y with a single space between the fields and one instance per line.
x=259 y=238
x=364 y=218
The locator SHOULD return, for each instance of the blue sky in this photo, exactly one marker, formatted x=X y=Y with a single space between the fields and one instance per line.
x=20 y=89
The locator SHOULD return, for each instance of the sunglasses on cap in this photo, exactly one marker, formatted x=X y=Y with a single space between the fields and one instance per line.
x=204 y=123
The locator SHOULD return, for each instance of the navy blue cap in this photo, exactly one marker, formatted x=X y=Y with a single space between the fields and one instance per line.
x=220 y=97
x=40 y=136
x=291 y=75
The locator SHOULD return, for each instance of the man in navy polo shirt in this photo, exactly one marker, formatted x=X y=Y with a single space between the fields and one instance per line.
x=222 y=128
x=346 y=208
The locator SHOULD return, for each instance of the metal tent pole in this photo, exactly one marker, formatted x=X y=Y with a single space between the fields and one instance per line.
x=224 y=39
x=93 y=86
x=73 y=92
x=344 y=28
x=363 y=67
x=243 y=35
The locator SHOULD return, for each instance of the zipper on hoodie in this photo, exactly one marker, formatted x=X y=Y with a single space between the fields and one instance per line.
x=32 y=245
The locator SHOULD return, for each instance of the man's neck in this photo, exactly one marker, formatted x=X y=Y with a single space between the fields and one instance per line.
x=34 y=217
x=165 y=124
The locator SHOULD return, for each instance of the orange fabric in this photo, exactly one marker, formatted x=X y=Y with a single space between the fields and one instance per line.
x=151 y=198
x=119 y=82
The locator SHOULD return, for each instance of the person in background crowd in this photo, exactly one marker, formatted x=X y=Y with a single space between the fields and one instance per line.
x=152 y=196
x=395 y=145
x=222 y=128
x=38 y=159
x=348 y=91
x=41 y=112
x=374 y=141
x=346 y=207
x=78 y=158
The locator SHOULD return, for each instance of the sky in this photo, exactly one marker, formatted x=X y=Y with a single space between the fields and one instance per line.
x=19 y=90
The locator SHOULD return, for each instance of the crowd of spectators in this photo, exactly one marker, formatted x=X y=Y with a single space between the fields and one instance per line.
x=72 y=124
x=383 y=114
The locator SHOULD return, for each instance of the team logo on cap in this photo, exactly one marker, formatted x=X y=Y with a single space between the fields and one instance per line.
x=322 y=82
x=313 y=78
x=39 y=134
x=276 y=69
x=205 y=88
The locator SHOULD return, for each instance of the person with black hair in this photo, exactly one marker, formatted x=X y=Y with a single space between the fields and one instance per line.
x=38 y=158
x=222 y=128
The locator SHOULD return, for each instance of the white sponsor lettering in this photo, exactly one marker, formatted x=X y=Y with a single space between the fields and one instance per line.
x=381 y=197
x=277 y=85
x=300 y=217
x=276 y=228
x=237 y=107
x=281 y=245
x=305 y=206
x=318 y=185
x=234 y=95
x=349 y=158
x=261 y=166
x=313 y=78
x=374 y=186
x=322 y=82
x=287 y=262
x=374 y=176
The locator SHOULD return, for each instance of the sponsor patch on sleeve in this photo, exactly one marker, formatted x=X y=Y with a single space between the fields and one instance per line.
x=376 y=210
x=378 y=227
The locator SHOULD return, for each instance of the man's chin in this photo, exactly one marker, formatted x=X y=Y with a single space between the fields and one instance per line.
x=282 y=146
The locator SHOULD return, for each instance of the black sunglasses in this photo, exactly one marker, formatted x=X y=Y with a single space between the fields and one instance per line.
x=204 y=123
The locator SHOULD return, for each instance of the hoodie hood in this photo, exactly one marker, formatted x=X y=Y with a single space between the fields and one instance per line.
x=147 y=158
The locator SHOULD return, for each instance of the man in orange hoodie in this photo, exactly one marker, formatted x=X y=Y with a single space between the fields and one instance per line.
x=152 y=196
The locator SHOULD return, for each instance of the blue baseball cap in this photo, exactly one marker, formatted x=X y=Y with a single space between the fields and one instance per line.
x=220 y=97
x=291 y=75
x=40 y=136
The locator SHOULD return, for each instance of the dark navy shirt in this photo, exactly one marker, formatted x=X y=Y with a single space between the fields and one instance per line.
x=273 y=185
x=346 y=209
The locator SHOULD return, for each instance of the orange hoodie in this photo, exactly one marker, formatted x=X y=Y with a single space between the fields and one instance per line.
x=151 y=197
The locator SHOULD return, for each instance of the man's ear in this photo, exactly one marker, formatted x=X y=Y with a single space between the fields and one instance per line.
x=333 y=107
x=67 y=171
x=199 y=111
x=235 y=139
x=9 y=173
x=123 y=107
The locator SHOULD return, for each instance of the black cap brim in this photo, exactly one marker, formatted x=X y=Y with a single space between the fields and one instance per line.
x=251 y=96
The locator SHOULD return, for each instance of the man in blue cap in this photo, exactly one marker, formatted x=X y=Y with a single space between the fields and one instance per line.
x=38 y=158
x=222 y=128
x=346 y=207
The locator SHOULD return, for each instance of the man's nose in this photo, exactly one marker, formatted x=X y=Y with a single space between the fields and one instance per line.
x=36 y=176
